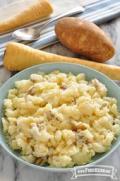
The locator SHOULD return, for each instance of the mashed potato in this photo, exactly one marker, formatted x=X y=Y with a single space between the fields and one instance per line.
x=60 y=119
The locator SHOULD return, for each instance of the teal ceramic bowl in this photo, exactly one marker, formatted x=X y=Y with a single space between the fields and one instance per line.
x=113 y=90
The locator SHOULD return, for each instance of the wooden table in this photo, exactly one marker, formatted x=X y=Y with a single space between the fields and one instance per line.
x=10 y=169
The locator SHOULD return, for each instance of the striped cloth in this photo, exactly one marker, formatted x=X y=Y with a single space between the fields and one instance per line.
x=97 y=12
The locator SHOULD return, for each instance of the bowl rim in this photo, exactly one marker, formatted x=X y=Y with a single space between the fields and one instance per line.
x=55 y=169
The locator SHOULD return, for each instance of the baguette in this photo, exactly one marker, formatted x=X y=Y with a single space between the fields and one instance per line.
x=37 y=10
x=18 y=57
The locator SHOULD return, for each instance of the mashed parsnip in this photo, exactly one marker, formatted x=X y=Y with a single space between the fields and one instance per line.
x=60 y=119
